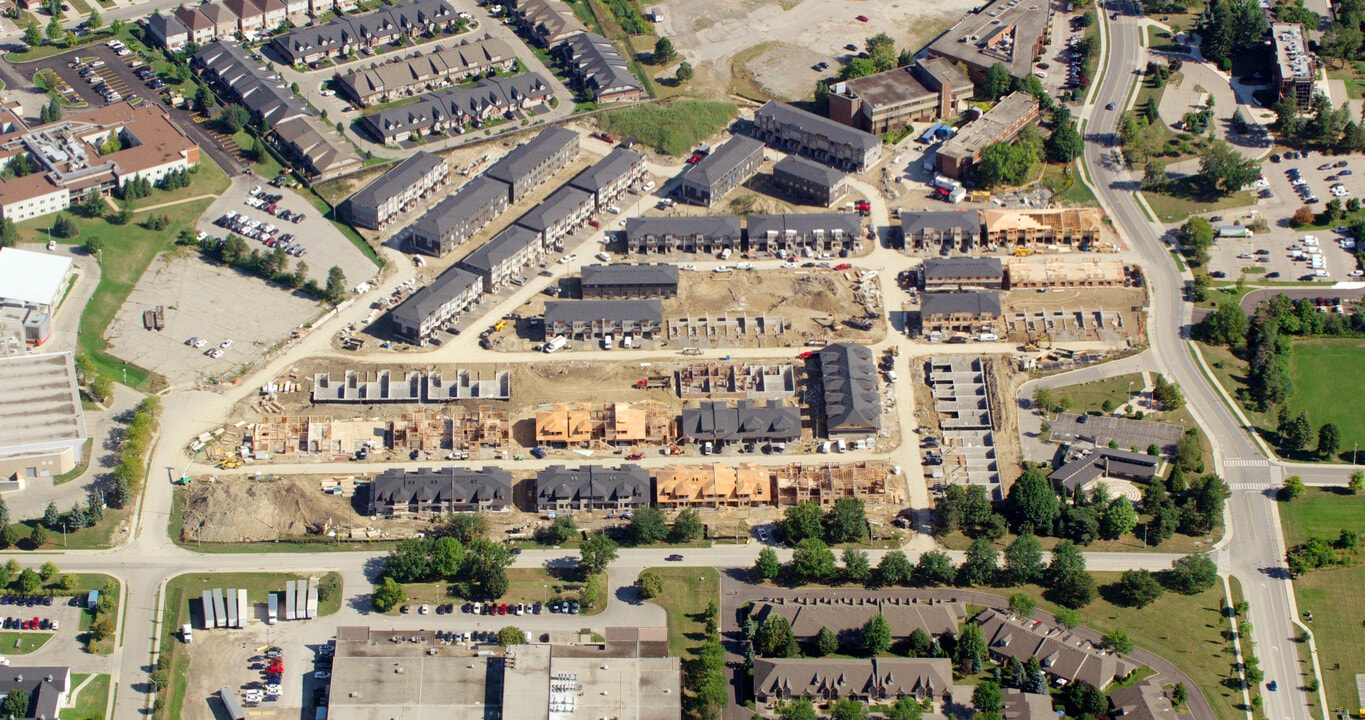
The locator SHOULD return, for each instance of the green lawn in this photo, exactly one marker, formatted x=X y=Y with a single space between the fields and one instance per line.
x=92 y=701
x=1326 y=372
x=81 y=6
x=181 y=589
x=1091 y=396
x=1353 y=76
x=673 y=129
x=1065 y=183
x=90 y=538
x=687 y=592
x=1171 y=208
x=1337 y=604
x=81 y=466
x=1321 y=512
x=524 y=585
x=128 y=250
x=1195 y=644
x=209 y=180
x=22 y=643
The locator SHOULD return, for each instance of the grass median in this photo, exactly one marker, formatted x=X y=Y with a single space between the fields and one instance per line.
x=686 y=593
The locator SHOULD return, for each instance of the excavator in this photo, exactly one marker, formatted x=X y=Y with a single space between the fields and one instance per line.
x=231 y=463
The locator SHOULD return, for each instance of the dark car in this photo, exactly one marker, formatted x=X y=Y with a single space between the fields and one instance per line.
x=1275 y=157
x=1110 y=106
x=674 y=558
x=1272 y=274
x=1218 y=274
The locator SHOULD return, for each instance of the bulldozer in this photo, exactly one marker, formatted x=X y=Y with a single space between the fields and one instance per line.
x=231 y=463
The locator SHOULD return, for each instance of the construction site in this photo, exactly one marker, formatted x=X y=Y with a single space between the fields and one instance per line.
x=1115 y=316
x=753 y=485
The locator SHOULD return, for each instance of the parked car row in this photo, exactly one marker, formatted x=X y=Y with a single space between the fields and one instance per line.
x=26 y=601
x=14 y=623
x=264 y=232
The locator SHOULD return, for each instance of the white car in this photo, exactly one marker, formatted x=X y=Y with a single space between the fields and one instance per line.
x=722 y=269
x=567 y=259
x=199 y=342
x=649 y=186
x=1357 y=273
x=789 y=265
x=225 y=344
x=688 y=266
x=214 y=353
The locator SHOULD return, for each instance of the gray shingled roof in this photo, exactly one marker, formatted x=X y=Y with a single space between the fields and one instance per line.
x=715 y=420
x=960 y=303
x=963 y=267
x=353 y=29
x=617 y=163
x=804 y=223
x=705 y=225
x=913 y=221
x=597 y=61
x=525 y=157
x=457 y=103
x=797 y=166
x=629 y=274
x=502 y=246
x=1123 y=463
x=472 y=197
x=723 y=160
x=851 y=395
x=560 y=204
x=460 y=485
x=255 y=89
x=421 y=304
x=837 y=132
x=396 y=180
x=559 y=483
x=569 y=311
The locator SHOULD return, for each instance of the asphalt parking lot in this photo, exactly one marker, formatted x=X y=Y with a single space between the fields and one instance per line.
x=1272 y=252
x=115 y=73
x=325 y=244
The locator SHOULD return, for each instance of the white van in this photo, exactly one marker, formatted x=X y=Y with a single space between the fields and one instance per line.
x=891 y=376
x=557 y=343
x=725 y=254
x=627 y=343
x=842 y=446
x=607 y=341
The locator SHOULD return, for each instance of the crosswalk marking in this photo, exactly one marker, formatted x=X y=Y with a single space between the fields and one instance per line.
x=1240 y=462
x=1250 y=486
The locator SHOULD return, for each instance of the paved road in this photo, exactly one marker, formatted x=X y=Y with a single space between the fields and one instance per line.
x=1256 y=556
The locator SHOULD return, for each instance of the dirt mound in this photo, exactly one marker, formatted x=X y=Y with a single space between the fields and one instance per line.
x=240 y=510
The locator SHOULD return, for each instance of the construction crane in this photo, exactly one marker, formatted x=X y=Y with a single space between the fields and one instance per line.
x=184 y=478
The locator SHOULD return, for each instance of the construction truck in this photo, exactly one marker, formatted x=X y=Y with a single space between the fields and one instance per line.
x=654 y=382
x=1022 y=252
x=499 y=325
x=231 y=463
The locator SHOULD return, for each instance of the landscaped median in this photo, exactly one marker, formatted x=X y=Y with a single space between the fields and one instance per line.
x=171 y=675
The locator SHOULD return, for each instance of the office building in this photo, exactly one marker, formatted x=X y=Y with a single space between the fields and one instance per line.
x=1296 y=69
x=890 y=101
x=1010 y=32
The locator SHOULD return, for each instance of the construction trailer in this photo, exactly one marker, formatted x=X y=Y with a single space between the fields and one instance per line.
x=289 y=597
x=231 y=600
x=242 y=608
x=234 y=708
x=272 y=608
x=312 y=598
x=219 y=608
x=209 y=620
x=301 y=600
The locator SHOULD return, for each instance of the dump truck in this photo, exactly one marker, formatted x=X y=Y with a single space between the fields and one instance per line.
x=653 y=382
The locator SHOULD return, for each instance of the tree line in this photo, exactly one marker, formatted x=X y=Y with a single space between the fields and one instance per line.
x=456 y=551
x=274 y=266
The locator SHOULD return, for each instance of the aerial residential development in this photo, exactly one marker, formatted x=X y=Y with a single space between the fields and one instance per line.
x=580 y=360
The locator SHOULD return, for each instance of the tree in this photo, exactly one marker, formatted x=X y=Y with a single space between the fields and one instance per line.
x=919 y=644
x=1081 y=699
x=1070 y=583
x=980 y=565
x=48 y=570
x=684 y=72
x=650 y=584
x=895 y=569
x=996 y=83
x=30 y=581
x=1294 y=433
x=560 y=530
x=1329 y=440
x=64 y=227
x=881 y=49
x=16 y=704
x=1356 y=484
x=663 y=51
x=812 y=561
x=857 y=568
x=1223 y=170
x=1168 y=394
x=774 y=638
x=1118 y=519
x=905 y=708
x=1138 y=588
x=1033 y=502
x=971 y=648
x=9 y=233
x=54 y=30
x=33 y=35
x=1065 y=144
x=1154 y=176
x=848 y=709
x=876 y=635
x=1022 y=605
x=1179 y=694
x=766 y=567
x=95 y=21
x=447 y=557
x=986 y=698
x=846 y=521
x=647 y=525
x=1225 y=326
x=803 y=520
x=687 y=527
x=934 y=568
x=4 y=516
x=387 y=595
x=824 y=643
x=485 y=570
x=511 y=635
x=797 y=709
x=596 y=553
x=336 y=285
x=1293 y=488
x=51 y=517
x=1118 y=641
x=1192 y=574
x=233 y=118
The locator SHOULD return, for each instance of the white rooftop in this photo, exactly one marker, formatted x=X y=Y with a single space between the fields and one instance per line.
x=31 y=278
x=40 y=405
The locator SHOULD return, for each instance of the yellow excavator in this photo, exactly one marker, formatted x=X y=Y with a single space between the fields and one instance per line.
x=231 y=463
x=1022 y=252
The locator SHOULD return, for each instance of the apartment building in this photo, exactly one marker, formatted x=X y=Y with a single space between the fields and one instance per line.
x=804 y=233
x=431 y=71
x=582 y=319
x=746 y=422
x=456 y=218
x=611 y=176
x=248 y=83
x=351 y=33
x=425 y=311
x=713 y=486
x=548 y=22
x=502 y=258
x=970 y=313
x=727 y=167
x=458 y=110
x=705 y=234
x=1076 y=228
x=533 y=162
x=623 y=281
x=396 y=191
x=317 y=147
x=598 y=70
x=1000 y=124
x=592 y=487
x=946 y=230
x=850 y=390
x=431 y=491
x=962 y=273
x=810 y=182
x=889 y=101
x=562 y=212
x=819 y=138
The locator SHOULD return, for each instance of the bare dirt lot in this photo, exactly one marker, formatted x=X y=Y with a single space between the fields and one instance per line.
x=1111 y=315
x=814 y=303
x=794 y=35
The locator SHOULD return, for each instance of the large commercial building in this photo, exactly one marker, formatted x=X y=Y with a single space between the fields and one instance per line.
x=962 y=273
x=816 y=137
x=888 y=101
x=1010 y=32
x=611 y=177
x=531 y=163
x=42 y=425
x=598 y=69
x=432 y=71
x=971 y=313
x=74 y=158
x=598 y=318
x=850 y=390
x=1295 y=67
x=427 y=491
x=804 y=233
x=705 y=234
x=383 y=674
x=592 y=487
x=1001 y=123
x=808 y=181
x=501 y=258
x=453 y=220
x=32 y=285
x=425 y=311
x=457 y=109
x=726 y=168
x=352 y=33
x=629 y=281
x=944 y=230
x=397 y=190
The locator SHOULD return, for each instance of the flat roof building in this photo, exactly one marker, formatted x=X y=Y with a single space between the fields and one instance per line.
x=703 y=233
x=453 y=220
x=1296 y=68
x=850 y=389
x=622 y=280
x=42 y=425
x=592 y=487
x=35 y=280
x=425 y=311
x=809 y=181
x=398 y=492
x=1010 y=32
x=1001 y=123
x=819 y=138
x=726 y=168
x=532 y=162
x=397 y=190
x=796 y=232
x=962 y=273
x=891 y=100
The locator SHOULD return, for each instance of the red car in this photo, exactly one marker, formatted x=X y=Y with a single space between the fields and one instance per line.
x=594 y=223
x=696 y=157
x=635 y=456
x=862 y=18
x=843 y=266
x=805 y=355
